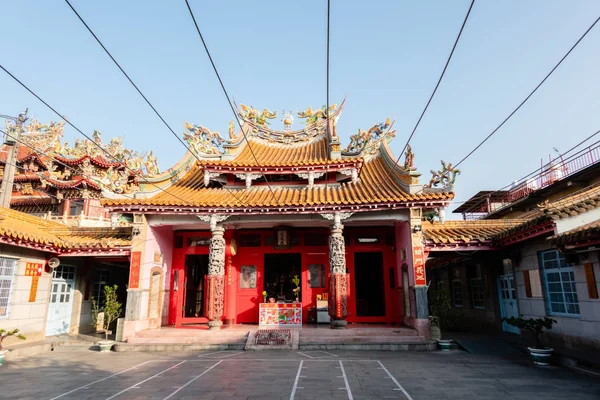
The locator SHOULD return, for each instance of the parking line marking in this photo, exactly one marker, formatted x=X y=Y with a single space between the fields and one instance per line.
x=230 y=355
x=191 y=381
x=331 y=354
x=395 y=381
x=208 y=354
x=296 y=381
x=346 y=381
x=305 y=355
x=144 y=381
x=87 y=385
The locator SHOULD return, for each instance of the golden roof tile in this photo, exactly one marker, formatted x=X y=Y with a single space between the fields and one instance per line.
x=31 y=231
x=451 y=232
x=373 y=187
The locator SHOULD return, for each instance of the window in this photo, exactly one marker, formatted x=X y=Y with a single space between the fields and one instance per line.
x=98 y=288
x=248 y=277
x=457 y=299
x=316 y=274
x=559 y=280
x=7 y=274
x=477 y=294
x=63 y=272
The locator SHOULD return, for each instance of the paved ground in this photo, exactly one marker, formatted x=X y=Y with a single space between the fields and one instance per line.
x=287 y=375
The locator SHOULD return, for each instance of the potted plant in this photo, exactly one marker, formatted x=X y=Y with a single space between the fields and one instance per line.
x=434 y=326
x=4 y=334
x=112 y=311
x=296 y=281
x=443 y=316
x=264 y=294
x=540 y=354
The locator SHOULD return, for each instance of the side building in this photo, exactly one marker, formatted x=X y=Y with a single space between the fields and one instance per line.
x=532 y=252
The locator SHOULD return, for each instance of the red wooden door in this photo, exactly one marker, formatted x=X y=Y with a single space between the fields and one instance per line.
x=250 y=281
x=315 y=281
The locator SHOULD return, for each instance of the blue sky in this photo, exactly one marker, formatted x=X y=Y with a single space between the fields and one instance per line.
x=386 y=57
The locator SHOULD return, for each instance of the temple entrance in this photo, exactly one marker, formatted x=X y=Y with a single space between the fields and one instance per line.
x=369 y=284
x=196 y=267
x=280 y=270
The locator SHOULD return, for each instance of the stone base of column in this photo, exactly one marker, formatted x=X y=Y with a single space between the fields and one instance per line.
x=338 y=300
x=215 y=325
x=214 y=298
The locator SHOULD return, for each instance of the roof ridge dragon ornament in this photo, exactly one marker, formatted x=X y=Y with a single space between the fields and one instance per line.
x=365 y=140
x=444 y=178
x=203 y=141
x=314 y=116
x=249 y=113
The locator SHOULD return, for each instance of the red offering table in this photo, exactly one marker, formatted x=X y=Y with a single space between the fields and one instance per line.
x=280 y=314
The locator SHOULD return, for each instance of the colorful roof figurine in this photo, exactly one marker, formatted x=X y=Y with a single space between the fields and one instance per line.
x=51 y=168
x=302 y=170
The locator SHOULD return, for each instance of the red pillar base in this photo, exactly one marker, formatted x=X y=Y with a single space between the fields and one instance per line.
x=214 y=298
x=338 y=300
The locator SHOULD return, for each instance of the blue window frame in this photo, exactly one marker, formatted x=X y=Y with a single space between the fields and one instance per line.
x=559 y=282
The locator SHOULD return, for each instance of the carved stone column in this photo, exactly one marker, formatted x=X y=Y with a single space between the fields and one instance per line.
x=338 y=294
x=214 y=282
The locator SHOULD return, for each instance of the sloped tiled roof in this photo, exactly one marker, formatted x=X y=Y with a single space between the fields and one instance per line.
x=465 y=232
x=374 y=187
x=26 y=230
x=582 y=234
x=312 y=152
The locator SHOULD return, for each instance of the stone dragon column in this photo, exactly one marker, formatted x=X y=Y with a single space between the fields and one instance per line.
x=338 y=294
x=214 y=282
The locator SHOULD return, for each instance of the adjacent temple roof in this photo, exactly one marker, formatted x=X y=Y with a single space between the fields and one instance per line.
x=495 y=233
x=264 y=170
x=24 y=230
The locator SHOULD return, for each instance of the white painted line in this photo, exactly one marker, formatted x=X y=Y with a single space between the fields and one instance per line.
x=296 y=381
x=331 y=354
x=275 y=359
x=191 y=381
x=395 y=381
x=346 y=381
x=305 y=355
x=87 y=386
x=144 y=381
x=230 y=355
x=214 y=352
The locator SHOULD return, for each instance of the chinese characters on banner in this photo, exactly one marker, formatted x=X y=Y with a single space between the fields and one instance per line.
x=419 y=265
x=134 y=270
x=35 y=271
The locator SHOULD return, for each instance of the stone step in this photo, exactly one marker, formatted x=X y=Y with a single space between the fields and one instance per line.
x=189 y=340
x=175 y=347
x=187 y=333
x=416 y=346
x=357 y=332
x=361 y=339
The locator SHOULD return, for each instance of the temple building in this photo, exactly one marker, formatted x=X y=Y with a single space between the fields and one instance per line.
x=60 y=182
x=286 y=217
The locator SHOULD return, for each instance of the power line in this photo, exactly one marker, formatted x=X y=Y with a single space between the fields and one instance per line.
x=86 y=136
x=228 y=99
x=140 y=92
x=327 y=94
x=435 y=89
x=528 y=96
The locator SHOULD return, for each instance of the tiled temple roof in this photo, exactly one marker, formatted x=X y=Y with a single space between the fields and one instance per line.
x=26 y=230
x=272 y=154
x=464 y=232
x=374 y=187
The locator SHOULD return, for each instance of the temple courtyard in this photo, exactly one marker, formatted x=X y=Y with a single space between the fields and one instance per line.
x=288 y=375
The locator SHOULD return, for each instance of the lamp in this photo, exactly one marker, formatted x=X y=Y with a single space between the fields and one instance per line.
x=441 y=212
x=416 y=228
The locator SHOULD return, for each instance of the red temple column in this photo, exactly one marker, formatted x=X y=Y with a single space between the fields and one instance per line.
x=214 y=282
x=338 y=294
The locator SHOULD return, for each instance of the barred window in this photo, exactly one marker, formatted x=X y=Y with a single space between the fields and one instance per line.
x=7 y=276
x=98 y=286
